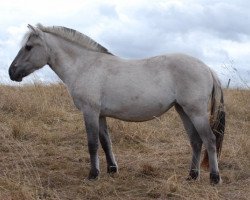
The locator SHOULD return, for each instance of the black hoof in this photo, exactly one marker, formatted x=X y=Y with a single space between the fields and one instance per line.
x=93 y=174
x=215 y=178
x=112 y=169
x=193 y=175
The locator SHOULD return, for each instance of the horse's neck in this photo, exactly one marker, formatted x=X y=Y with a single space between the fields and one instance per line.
x=67 y=60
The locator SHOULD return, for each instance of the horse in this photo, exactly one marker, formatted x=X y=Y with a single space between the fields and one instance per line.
x=104 y=85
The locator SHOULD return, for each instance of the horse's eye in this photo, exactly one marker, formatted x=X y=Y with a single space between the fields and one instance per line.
x=28 y=47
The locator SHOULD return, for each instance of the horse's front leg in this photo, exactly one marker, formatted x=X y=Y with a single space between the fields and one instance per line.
x=91 y=118
x=106 y=145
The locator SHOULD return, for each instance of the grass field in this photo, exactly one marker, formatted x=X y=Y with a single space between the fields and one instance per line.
x=43 y=152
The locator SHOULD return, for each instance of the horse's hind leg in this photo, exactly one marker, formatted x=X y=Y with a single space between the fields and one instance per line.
x=198 y=115
x=195 y=141
x=106 y=145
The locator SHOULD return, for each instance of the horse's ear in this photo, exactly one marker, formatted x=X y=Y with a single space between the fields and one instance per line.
x=33 y=29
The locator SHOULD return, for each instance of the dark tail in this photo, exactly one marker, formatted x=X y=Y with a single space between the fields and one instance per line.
x=217 y=119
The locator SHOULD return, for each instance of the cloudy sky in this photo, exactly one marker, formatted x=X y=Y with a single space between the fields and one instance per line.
x=217 y=32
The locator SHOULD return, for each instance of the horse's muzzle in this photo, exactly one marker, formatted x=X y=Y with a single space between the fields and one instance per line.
x=14 y=74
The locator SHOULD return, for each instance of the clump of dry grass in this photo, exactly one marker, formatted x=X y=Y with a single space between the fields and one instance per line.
x=43 y=152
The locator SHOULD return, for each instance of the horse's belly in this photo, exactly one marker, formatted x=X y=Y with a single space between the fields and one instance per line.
x=137 y=112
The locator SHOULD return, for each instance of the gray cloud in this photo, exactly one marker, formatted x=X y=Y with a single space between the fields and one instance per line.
x=175 y=25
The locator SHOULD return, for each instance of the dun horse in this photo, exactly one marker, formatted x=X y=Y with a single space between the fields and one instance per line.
x=103 y=85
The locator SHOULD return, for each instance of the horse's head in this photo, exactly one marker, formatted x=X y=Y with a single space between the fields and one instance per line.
x=32 y=55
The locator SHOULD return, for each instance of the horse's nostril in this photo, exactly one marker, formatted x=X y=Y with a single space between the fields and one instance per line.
x=15 y=65
x=12 y=70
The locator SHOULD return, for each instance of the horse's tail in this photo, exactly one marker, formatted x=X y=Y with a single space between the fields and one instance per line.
x=217 y=118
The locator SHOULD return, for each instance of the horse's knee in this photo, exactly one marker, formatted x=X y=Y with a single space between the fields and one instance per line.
x=196 y=145
x=93 y=147
x=210 y=143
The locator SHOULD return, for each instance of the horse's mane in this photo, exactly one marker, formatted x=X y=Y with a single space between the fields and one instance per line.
x=74 y=36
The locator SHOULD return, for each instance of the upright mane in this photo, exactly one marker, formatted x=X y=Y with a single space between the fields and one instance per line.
x=74 y=36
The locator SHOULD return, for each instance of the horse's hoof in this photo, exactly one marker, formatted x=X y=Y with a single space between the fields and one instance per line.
x=112 y=169
x=93 y=175
x=215 y=179
x=193 y=175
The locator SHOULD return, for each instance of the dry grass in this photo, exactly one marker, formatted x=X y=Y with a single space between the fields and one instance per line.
x=43 y=152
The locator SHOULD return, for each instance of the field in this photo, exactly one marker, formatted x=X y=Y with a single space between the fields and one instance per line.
x=43 y=152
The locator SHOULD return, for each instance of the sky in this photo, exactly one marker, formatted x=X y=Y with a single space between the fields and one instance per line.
x=217 y=32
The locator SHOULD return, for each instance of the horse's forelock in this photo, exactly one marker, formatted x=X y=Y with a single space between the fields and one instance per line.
x=26 y=37
x=30 y=33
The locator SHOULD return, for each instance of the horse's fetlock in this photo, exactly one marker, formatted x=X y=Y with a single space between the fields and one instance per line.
x=193 y=174
x=112 y=169
x=215 y=178
x=93 y=174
